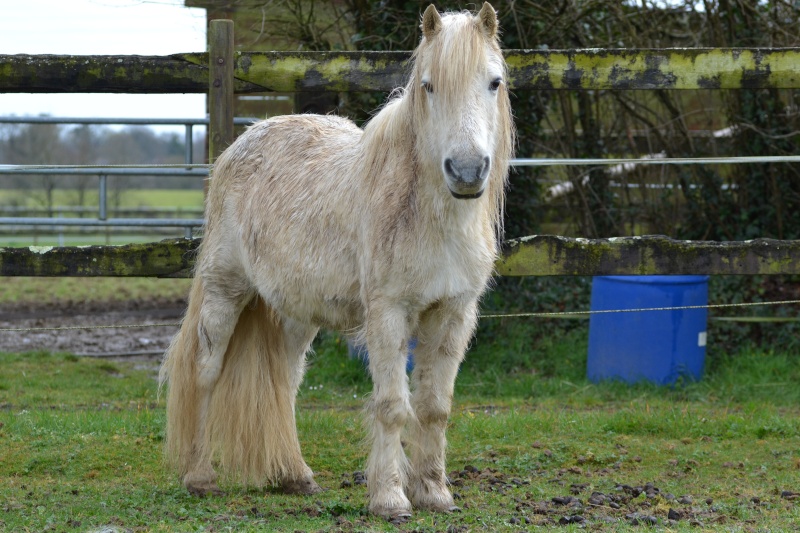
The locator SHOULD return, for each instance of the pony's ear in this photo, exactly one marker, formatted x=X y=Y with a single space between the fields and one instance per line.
x=431 y=22
x=488 y=18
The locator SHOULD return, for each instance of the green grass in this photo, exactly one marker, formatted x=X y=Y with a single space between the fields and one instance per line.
x=84 y=239
x=177 y=198
x=192 y=199
x=54 y=291
x=82 y=441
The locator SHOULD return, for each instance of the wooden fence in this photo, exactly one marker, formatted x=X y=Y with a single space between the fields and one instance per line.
x=221 y=72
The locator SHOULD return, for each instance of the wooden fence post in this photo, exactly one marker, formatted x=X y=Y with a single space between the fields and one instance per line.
x=220 y=87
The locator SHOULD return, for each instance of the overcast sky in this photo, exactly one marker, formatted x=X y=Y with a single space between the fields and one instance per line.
x=98 y=27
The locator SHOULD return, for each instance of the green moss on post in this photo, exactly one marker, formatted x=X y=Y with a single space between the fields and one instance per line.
x=168 y=258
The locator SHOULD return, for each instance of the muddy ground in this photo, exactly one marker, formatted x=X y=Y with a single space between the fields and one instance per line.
x=26 y=327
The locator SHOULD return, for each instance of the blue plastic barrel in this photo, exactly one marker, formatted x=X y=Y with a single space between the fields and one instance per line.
x=657 y=346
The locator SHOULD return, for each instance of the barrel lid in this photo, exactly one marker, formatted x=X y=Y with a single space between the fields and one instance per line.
x=656 y=280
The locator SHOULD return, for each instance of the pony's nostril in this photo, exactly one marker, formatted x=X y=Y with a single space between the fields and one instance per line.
x=451 y=169
x=484 y=169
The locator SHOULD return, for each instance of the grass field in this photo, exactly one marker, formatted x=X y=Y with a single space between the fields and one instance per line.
x=178 y=198
x=82 y=440
x=55 y=291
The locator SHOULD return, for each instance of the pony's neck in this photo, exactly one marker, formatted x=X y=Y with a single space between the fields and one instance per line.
x=388 y=133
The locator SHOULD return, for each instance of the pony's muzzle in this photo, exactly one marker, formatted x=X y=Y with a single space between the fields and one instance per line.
x=466 y=178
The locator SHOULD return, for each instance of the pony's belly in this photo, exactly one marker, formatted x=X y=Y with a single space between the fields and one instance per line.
x=340 y=314
x=332 y=312
x=321 y=304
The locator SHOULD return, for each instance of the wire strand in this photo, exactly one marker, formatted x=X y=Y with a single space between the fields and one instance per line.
x=70 y=167
x=69 y=328
x=521 y=162
x=499 y=315
x=638 y=310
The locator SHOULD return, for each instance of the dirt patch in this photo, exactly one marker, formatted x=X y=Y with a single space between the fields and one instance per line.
x=636 y=505
x=144 y=327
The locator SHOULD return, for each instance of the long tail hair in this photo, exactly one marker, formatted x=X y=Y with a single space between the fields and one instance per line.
x=250 y=426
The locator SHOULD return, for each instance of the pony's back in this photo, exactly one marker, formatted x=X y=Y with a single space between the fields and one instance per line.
x=288 y=193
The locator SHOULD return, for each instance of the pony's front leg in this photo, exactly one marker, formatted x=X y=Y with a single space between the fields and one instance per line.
x=444 y=333
x=390 y=408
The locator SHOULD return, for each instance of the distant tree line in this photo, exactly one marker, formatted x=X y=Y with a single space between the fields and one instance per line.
x=55 y=144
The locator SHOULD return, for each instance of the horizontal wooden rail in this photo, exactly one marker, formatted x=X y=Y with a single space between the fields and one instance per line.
x=541 y=255
x=677 y=68
x=548 y=255
x=168 y=258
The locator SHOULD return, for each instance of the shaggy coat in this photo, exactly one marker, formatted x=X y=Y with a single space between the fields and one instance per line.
x=385 y=233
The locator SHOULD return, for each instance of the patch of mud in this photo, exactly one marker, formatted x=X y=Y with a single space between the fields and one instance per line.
x=619 y=503
x=26 y=327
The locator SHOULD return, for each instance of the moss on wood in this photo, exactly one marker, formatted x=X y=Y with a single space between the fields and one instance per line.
x=384 y=71
x=168 y=258
x=541 y=255
x=548 y=255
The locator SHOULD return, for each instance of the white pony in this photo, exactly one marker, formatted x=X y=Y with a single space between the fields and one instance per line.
x=388 y=233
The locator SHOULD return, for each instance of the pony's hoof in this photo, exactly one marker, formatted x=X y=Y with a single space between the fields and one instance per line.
x=202 y=483
x=432 y=497
x=399 y=518
x=390 y=503
x=210 y=489
x=394 y=515
x=300 y=486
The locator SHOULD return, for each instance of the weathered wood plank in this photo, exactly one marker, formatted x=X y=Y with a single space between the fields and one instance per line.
x=324 y=71
x=674 y=68
x=168 y=258
x=541 y=255
x=548 y=255
x=697 y=68
x=104 y=74
x=220 y=87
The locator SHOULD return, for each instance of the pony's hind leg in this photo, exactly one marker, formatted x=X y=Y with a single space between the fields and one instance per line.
x=443 y=336
x=219 y=312
x=297 y=342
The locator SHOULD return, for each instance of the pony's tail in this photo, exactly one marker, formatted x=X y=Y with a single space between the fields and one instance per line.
x=179 y=369
x=250 y=424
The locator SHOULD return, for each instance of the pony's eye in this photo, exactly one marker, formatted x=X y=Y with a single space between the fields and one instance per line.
x=428 y=87
x=495 y=84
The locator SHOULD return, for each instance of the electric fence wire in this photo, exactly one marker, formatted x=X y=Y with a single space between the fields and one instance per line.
x=554 y=314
